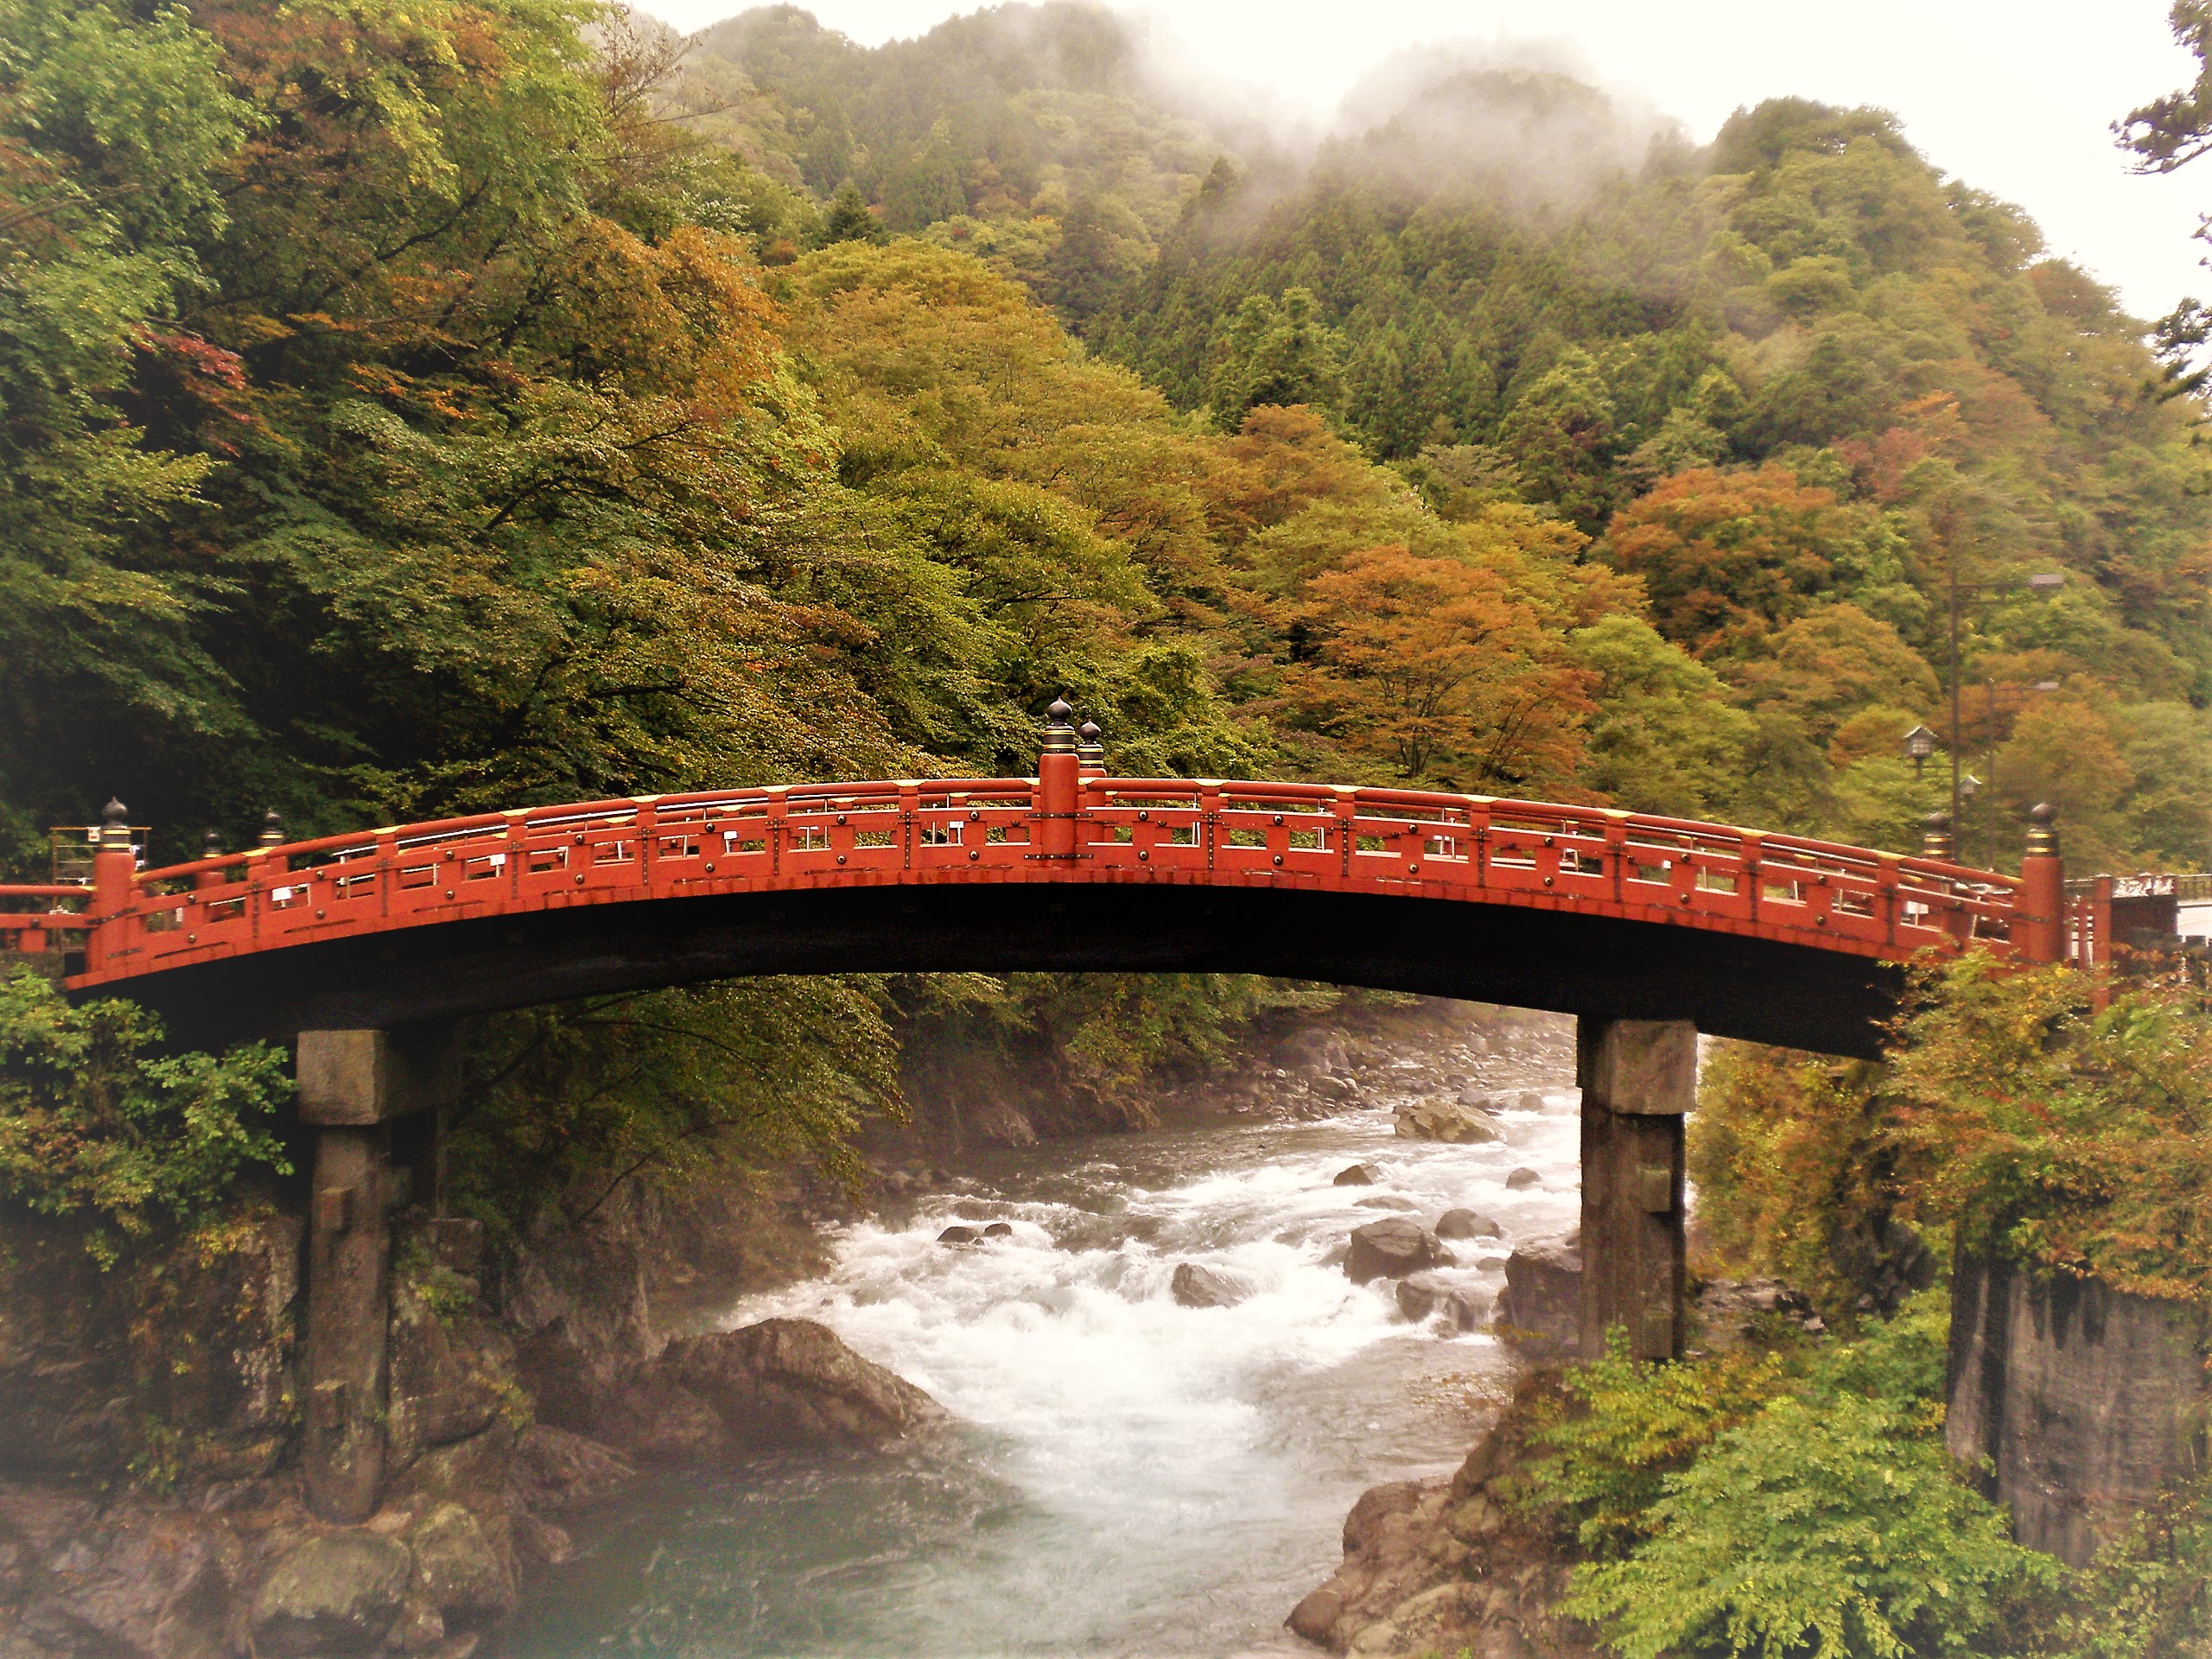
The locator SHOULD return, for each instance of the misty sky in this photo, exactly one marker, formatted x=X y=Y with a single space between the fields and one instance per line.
x=2015 y=98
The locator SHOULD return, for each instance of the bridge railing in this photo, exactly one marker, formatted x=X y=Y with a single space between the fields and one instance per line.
x=1538 y=852
x=1312 y=835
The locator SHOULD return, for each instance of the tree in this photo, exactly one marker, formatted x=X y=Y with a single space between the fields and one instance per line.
x=847 y=219
x=1436 y=666
x=113 y=126
x=119 y=1142
x=1559 y=433
x=2065 y=752
x=1729 y=557
x=1833 y=662
x=1277 y=353
x=1664 y=737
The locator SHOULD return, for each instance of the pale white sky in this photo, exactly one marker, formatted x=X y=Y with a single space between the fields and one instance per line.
x=2013 y=96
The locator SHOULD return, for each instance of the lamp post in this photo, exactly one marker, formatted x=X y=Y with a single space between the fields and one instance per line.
x=1919 y=744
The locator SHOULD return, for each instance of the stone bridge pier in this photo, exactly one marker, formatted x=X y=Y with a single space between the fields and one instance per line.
x=1639 y=1080
x=378 y=1101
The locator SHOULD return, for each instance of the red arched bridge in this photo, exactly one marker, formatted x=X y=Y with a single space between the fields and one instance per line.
x=363 y=948
x=1773 y=937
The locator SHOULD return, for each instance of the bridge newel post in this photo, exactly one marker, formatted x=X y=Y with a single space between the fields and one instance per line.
x=1059 y=784
x=211 y=846
x=2042 y=930
x=353 y=1086
x=1639 y=1079
x=1091 y=750
x=114 y=863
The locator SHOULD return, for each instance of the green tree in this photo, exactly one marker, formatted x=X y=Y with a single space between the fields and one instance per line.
x=119 y=1142
x=848 y=218
x=114 y=124
x=1560 y=433
x=1665 y=737
x=1279 y=353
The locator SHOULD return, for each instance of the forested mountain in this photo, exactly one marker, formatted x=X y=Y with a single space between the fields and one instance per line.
x=1033 y=136
x=415 y=410
x=1797 y=383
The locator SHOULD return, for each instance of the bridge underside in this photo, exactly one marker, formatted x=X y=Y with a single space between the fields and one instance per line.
x=1727 y=985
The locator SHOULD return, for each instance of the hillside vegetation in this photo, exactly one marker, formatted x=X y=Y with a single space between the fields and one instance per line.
x=481 y=403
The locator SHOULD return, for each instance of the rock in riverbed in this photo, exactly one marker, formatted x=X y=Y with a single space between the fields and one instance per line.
x=334 y=1594
x=1197 y=1287
x=1540 y=1309
x=1425 y=1294
x=779 y=1382
x=1392 y=1250
x=1440 y=1119
x=1358 y=1175
x=1466 y=1223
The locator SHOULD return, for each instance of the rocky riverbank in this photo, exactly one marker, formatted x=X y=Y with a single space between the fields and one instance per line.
x=1422 y=1059
x=148 y=1495
x=153 y=1508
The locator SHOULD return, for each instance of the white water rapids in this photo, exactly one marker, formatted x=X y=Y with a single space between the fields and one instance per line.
x=1129 y=1477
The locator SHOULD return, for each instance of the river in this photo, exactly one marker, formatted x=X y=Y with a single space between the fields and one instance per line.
x=1128 y=1476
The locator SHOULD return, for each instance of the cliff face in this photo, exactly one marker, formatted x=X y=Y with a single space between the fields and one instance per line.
x=160 y=1515
x=2085 y=1402
x=150 y=1499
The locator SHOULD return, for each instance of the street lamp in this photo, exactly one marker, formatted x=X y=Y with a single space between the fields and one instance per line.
x=1919 y=744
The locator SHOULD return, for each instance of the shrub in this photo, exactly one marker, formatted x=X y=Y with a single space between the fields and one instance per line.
x=102 y=1131
x=1836 y=1529
x=1620 y=1426
x=2073 y=1139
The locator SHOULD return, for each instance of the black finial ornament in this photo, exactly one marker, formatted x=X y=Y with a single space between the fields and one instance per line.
x=1089 y=750
x=1935 y=835
x=1059 y=735
x=115 y=823
x=2043 y=831
x=272 y=830
x=211 y=844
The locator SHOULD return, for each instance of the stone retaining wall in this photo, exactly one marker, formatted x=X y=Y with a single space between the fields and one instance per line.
x=2084 y=1400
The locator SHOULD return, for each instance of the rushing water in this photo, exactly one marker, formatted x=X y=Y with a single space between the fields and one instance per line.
x=1128 y=1476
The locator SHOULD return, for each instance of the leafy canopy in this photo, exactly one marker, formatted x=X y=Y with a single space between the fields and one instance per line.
x=119 y=1142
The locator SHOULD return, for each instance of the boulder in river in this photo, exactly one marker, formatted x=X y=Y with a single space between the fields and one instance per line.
x=959 y=1235
x=1540 y=1308
x=1440 y=1119
x=1466 y=1223
x=1336 y=1088
x=999 y=1230
x=779 y=1382
x=1425 y=1294
x=1522 y=1178
x=1358 y=1175
x=1529 y=1101
x=1197 y=1287
x=1392 y=1250
x=336 y=1594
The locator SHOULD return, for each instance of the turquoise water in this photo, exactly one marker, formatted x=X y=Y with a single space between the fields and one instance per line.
x=1128 y=1476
